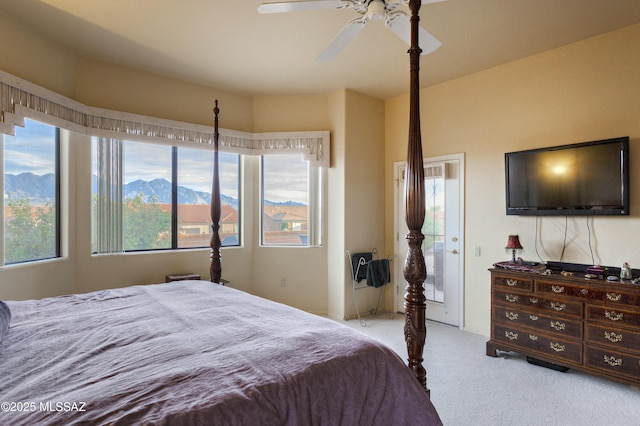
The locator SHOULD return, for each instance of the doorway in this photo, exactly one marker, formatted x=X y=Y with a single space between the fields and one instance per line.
x=443 y=246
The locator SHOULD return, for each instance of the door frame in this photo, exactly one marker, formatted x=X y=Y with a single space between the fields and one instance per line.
x=398 y=194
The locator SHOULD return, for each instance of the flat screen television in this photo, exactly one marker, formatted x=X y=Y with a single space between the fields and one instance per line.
x=590 y=178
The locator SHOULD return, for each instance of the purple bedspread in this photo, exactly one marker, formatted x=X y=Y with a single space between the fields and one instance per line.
x=192 y=352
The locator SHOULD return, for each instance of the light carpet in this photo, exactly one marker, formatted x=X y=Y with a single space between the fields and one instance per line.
x=471 y=388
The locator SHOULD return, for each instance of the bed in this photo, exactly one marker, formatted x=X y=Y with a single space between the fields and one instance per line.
x=195 y=352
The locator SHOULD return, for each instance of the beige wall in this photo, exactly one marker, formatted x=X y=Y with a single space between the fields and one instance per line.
x=35 y=59
x=585 y=91
x=336 y=220
x=109 y=86
x=364 y=182
x=317 y=278
x=303 y=269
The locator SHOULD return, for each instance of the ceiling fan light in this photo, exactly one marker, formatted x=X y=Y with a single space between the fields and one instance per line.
x=376 y=10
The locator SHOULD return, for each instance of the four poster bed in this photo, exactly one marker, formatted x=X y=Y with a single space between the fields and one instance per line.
x=192 y=352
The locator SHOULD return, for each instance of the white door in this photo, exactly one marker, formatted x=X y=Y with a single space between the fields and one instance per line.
x=443 y=243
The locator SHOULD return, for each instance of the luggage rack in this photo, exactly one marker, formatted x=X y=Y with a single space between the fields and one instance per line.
x=359 y=263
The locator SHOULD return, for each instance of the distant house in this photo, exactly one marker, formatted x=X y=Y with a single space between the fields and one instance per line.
x=284 y=225
x=194 y=224
x=284 y=218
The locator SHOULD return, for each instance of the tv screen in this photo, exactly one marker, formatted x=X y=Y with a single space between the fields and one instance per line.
x=590 y=178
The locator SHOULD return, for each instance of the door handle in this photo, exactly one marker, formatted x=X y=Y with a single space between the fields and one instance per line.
x=454 y=251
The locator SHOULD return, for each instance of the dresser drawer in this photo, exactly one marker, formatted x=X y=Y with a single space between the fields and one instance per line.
x=519 y=283
x=587 y=292
x=612 y=362
x=549 y=324
x=548 y=345
x=616 y=338
x=611 y=315
x=539 y=304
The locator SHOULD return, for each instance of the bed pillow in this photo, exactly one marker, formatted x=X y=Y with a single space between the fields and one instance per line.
x=5 y=318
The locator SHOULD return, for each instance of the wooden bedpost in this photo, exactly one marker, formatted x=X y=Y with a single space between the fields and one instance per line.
x=215 y=267
x=415 y=270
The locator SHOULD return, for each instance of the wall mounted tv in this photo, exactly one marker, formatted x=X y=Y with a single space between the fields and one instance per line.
x=590 y=178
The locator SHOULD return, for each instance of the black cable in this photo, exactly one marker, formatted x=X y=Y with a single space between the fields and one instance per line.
x=536 y=241
x=593 y=262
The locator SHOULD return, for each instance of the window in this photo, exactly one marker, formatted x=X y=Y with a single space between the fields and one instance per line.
x=195 y=175
x=147 y=207
x=31 y=193
x=290 y=201
x=150 y=197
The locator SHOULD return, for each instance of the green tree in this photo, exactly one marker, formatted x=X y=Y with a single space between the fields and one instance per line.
x=146 y=225
x=31 y=233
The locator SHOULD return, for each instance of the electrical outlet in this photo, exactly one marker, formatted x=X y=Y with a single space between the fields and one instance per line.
x=283 y=282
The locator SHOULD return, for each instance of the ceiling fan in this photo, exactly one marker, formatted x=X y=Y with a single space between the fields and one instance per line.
x=371 y=10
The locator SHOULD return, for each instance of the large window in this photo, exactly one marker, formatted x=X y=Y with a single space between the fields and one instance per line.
x=150 y=197
x=290 y=201
x=31 y=193
x=147 y=206
x=195 y=175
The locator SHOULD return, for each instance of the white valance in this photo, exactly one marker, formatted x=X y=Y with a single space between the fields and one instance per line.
x=20 y=99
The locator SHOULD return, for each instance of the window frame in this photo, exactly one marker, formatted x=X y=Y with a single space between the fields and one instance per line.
x=57 y=220
x=315 y=197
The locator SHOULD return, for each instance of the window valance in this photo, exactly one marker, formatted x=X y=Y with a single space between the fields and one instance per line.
x=20 y=99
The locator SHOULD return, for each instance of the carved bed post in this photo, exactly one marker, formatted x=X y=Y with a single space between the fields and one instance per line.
x=215 y=267
x=415 y=271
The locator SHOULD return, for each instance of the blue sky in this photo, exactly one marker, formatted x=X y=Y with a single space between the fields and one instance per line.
x=285 y=180
x=30 y=150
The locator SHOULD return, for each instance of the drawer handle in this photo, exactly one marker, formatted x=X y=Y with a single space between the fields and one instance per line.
x=511 y=335
x=533 y=317
x=533 y=337
x=584 y=291
x=511 y=315
x=533 y=300
x=557 y=347
x=558 y=306
x=557 y=288
x=613 y=361
x=511 y=298
x=557 y=325
x=511 y=283
x=614 y=297
x=613 y=315
x=613 y=337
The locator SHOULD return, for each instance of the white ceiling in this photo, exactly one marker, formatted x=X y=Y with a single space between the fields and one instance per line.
x=227 y=44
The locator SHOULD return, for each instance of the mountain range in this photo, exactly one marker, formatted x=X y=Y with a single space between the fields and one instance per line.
x=41 y=189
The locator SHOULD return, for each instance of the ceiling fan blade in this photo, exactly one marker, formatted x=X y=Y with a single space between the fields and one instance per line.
x=400 y=24
x=406 y=2
x=343 y=38
x=296 y=6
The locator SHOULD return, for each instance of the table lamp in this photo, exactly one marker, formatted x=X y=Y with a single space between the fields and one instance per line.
x=513 y=244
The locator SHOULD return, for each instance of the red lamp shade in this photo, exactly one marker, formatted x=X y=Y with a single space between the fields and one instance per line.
x=513 y=243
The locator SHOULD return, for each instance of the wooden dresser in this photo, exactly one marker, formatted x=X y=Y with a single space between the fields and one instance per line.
x=571 y=321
